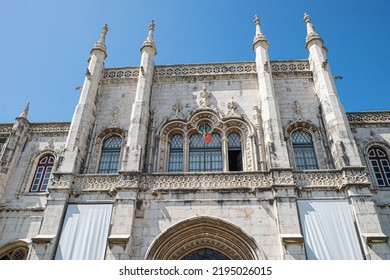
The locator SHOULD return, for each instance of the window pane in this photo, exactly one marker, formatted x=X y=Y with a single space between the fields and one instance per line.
x=42 y=174
x=109 y=159
x=380 y=166
x=234 y=141
x=176 y=153
x=205 y=157
x=305 y=157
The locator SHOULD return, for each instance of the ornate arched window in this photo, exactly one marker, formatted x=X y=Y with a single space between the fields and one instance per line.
x=205 y=151
x=205 y=254
x=42 y=174
x=380 y=165
x=304 y=155
x=176 y=153
x=234 y=152
x=109 y=158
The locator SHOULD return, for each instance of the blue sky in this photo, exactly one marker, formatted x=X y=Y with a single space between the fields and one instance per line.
x=45 y=44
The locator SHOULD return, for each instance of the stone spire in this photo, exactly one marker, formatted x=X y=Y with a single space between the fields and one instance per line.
x=149 y=42
x=24 y=113
x=259 y=36
x=101 y=42
x=311 y=32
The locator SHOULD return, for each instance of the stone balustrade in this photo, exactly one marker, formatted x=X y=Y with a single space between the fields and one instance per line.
x=350 y=176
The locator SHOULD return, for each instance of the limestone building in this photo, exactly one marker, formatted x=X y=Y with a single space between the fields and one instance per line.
x=246 y=160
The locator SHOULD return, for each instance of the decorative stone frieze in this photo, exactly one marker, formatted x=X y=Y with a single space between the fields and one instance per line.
x=290 y=66
x=205 y=69
x=55 y=127
x=379 y=117
x=237 y=68
x=61 y=181
x=205 y=181
x=218 y=180
x=5 y=128
x=350 y=176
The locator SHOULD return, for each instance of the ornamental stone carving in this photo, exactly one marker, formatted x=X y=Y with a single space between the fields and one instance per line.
x=369 y=117
x=217 y=123
x=202 y=181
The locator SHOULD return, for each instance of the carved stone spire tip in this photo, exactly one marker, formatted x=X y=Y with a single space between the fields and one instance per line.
x=101 y=42
x=259 y=36
x=256 y=20
x=152 y=25
x=149 y=39
x=311 y=32
x=24 y=113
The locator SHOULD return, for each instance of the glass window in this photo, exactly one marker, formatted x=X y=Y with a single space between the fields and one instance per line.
x=42 y=174
x=380 y=165
x=205 y=254
x=305 y=157
x=176 y=153
x=109 y=159
x=205 y=151
x=234 y=152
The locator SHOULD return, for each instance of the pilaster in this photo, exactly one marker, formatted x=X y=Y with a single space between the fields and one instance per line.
x=84 y=115
x=343 y=146
x=44 y=244
x=275 y=146
x=122 y=222
x=134 y=156
x=13 y=147
x=291 y=238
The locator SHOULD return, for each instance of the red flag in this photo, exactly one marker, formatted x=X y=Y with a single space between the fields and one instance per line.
x=207 y=137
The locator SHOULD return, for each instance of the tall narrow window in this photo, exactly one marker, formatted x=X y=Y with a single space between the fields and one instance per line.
x=234 y=152
x=380 y=165
x=109 y=159
x=305 y=157
x=176 y=153
x=205 y=151
x=42 y=174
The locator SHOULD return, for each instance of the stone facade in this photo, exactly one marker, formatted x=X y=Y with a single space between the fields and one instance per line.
x=250 y=213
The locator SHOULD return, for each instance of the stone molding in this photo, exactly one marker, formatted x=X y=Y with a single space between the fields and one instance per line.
x=374 y=117
x=118 y=240
x=213 y=69
x=220 y=181
x=183 y=238
x=6 y=128
x=349 y=176
x=52 y=127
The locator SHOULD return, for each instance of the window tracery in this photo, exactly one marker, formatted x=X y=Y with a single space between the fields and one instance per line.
x=110 y=155
x=380 y=166
x=304 y=154
x=42 y=174
x=230 y=137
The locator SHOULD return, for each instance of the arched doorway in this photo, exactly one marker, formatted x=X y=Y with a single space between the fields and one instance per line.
x=204 y=238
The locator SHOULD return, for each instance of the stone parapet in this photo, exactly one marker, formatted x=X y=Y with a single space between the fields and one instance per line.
x=184 y=70
x=219 y=181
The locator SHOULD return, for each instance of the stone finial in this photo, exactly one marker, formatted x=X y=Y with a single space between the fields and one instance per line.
x=259 y=36
x=149 y=42
x=101 y=42
x=311 y=32
x=24 y=113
